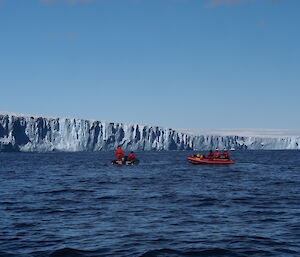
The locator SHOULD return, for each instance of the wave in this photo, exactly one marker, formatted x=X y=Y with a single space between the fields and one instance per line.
x=3 y=254
x=70 y=252
x=208 y=252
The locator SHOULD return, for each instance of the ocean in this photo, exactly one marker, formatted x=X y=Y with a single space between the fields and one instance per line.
x=79 y=204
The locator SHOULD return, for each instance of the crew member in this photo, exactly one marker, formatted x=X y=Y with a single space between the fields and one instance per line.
x=225 y=154
x=217 y=154
x=119 y=153
x=210 y=154
x=131 y=156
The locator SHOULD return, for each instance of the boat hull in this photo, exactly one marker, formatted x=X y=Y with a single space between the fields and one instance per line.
x=197 y=160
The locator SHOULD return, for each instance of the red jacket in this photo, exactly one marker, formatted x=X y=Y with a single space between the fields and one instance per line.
x=226 y=155
x=217 y=155
x=131 y=156
x=119 y=153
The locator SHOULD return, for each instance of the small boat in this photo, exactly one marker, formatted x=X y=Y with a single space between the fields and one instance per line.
x=125 y=162
x=203 y=160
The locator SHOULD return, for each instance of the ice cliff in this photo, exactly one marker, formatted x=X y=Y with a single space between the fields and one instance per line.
x=31 y=133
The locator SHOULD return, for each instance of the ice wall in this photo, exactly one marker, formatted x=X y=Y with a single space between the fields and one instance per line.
x=31 y=133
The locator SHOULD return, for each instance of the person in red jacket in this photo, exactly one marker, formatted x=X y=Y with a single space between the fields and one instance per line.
x=225 y=154
x=119 y=153
x=131 y=156
x=217 y=154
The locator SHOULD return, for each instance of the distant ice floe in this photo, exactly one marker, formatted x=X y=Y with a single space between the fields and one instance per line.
x=31 y=133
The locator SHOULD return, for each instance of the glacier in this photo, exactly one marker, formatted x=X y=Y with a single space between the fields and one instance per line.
x=29 y=133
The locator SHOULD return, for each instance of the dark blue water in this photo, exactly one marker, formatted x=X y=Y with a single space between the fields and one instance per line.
x=78 y=204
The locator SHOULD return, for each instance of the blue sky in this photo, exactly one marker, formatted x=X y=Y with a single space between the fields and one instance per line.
x=174 y=63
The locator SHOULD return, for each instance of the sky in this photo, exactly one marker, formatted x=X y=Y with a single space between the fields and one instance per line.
x=188 y=64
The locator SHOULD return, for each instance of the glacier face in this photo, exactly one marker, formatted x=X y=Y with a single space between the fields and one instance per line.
x=40 y=134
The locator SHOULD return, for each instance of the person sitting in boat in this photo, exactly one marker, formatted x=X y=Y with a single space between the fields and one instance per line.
x=217 y=154
x=119 y=153
x=210 y=154
x=131 y=156
x=225 y=154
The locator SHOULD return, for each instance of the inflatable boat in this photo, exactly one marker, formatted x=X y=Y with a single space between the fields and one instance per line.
x=125 y=162
x=203 y=160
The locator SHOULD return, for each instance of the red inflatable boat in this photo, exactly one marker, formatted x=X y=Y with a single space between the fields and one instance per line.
x=198 y=160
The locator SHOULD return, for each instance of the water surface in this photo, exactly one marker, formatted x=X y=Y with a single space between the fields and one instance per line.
x=78 y=204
